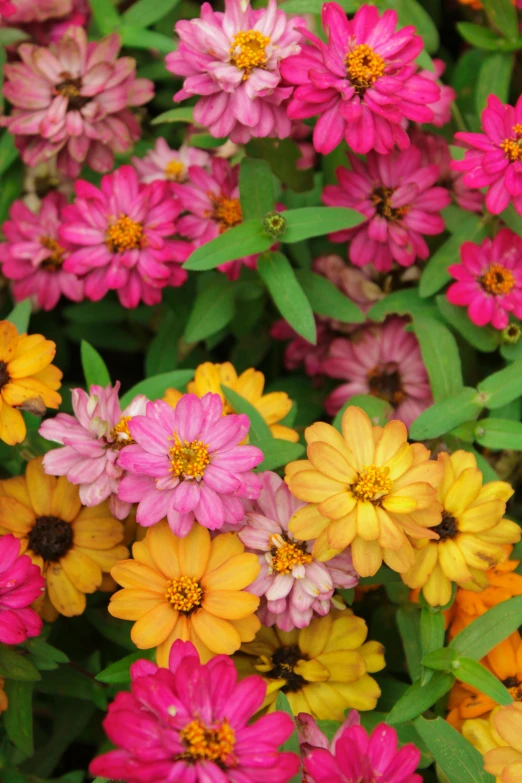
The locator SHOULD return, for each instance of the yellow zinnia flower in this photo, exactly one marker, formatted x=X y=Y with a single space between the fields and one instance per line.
x=367 y=487
x=471 y=533
x=505 y=761
x=28 y=380
x=189 y=588
x=73 y=545
x=250 y=384
x=322 y=669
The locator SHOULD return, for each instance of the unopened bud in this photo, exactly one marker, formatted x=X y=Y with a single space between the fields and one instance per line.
x=511 y=334
x=274 y=224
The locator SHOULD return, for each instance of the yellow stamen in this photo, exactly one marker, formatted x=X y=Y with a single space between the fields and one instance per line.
x=517 y=129
x=286 y=555
x=124 y=234
x=512 y=148
x=184 y=593
x=121 y=433
x=248 y=51
x=215 y=743
x=372 y=481
x=56 y=259
x=381 y=199
x=175 y=171
x=189 y=459
x=364 y=67
x=227 y=212
x=497 y=280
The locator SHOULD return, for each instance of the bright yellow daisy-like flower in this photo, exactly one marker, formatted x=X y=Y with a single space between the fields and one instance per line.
x=506 y=761
x=323 y=669
x=369 y=488
x=273 y=406
x=190 y=588
x=28 y=380
x=472 y=532
x=73 y=545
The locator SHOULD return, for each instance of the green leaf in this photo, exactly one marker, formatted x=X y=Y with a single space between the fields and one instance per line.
x=494 y=77
x=473 y=673
x=256 y=188
x=378 y=410
x=419 y=698
x=118 y=673
x=8 y=151
x=443 y=416
x=485 y=38
x=499 y=434
x=18 y=719
x=278 y=452
x=457 y=757
x=259 y=429
x=67 y=681
x=327 y=300
x=243 y=240
x=205 y=141
x=441 y=659
x=117 y=631
x=408 y=624
x=484 y=633
x=277 y=273
x=20 y=316
x=105 y=15
x=37 y=646
x=282 y=157
x=15 y=666
x=432 y=634
x=411 y=12
x=154 y=388
x=10 y=35
x=317 y=221
x=441 y=356
x=213 y=309
x=503 y=386
x=94 y=368
x=146 y=39
x=181 y=114
x=503 y=15
x=162 y=353
x=144 y=13
x=512 y=219
x=404 y=302
x=483 y=338
x=292 y=743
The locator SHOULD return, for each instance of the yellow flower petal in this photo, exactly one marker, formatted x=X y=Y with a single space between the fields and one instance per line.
x=19 y=391
x=322 y=550
x=360 y=695
x=181 y=631
x=284 y=433
x=296 y=467
x=314 y=638
x=230 y=604
x=437 y=590
x=15 y=517
x=430 y=472
x=274 y=406
x=102 y=533
x=342 y=665
x=216 y=633
x=12 y=425
x=479 y=553
x=247 y=627
x=313 y=486
x=130 y=573
x=498 y=760
x=337 y=506
x=478 y=732
x=425 y=561
x=452 y=562
x=483 y=517
x=65 y=502
x=495 y=490
x=399 y=560
x=33 y=360
x=358 y=434
x=312 y=671
x=325 y=433
x=399 y=505
x=163 y=548
x=330 y=462
x=373 y=656
x=206 y=379
x=154 y=626
x=105 y=558
x=40 y=487
x=8 y=341
x=236 y=573
x=132 y=604
x=391 y=535
x=51 y=376
x=325 y=700
x=463 y=492
x=64 y=596
x=297 y=700
x=506 y=532
x=462 y=460
x=393 y=437
x=366 y=556
x=250 y=385
x=194 y=551
x=368 y=526
x=348 y=633
x=307 y=523
x=83 y=572
x=341 y=532
x=141 y=553
x=400 y=464
x=222 y=548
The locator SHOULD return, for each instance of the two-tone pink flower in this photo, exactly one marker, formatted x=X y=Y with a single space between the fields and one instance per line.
x=164 y=163
x=21 y=583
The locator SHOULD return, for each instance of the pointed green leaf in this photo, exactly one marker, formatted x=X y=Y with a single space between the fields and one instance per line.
x=404 y=302
x=16 y=666
x=443 y=416
x=432 y=634
x=278 y=452
x=419 y=698
x=441 y=659
x=181 y=114
x=473 y=673
x=503 y=386
x=118 y=673
x=256 y=188
x=144 y=13
x=441 y=356
x=412 y=12
x=259 y=429
x=327 y=300
x=458 y=759
x=484 y=633
x=378 y=410
x=105 y=15
x=499 y=434
x=503 y=15
x=317 y=221
x=243 y=240
x=94 y=368
x=479 y=36
x=154 y=388
x=408 y=617
x=484 y=338
x=18 y=718
x=277 y=273
x=146 y=39
x=494 y=77
x=20 y=315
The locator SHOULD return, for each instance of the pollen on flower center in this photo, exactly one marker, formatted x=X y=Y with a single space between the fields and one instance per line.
x=124 y=234
x=372 y=481
x=284 y=660
x=227 y=212
x=184 y=593
x=71 y=88
x=56 y=259
x=448 y=528
x=189 y=459
x=385 y=382
x=364 y=67
x=514 y=687
x=248 y=51
x=51 y=538
x=175 y=171
x=287 y=554
x=381 y=199
x=120 y=433
x=512 y=148
x=497 y=280
x=215 y=743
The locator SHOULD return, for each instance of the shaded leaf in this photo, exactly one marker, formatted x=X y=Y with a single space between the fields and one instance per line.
x=327 y=300
x=256 y=188
x=317 y=221
x=443 y=416
x=154 y=388
x=484 y=633
x=94 y=368
x=457 y=757
x=243 y=240
x=277 y=273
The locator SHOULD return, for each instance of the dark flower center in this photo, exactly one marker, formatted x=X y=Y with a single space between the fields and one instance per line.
x=56 y=254
x=284 y=660
x=45 y=184
x=448 y=528
x=385 y=382
x=4 y=375
x=71 y=89
x=497 y=280
x=514 y=686
x=51 y=538
x=381 y=199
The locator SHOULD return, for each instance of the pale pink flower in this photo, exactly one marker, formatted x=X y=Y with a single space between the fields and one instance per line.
x=33 y=255
x=299 y=351
x=162 y=162
x=187 y=464
x=384 y=361
x=358 y=285
x=73 y=100
x=91 y=442
x=397 y=194
x=54 y=28
x=21 y=583
x=442 y=107
x=16 y=12
x=292 y=585
x=233 y=60
x=119 y=236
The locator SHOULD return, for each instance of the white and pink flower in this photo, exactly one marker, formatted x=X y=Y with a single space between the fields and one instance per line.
x=164 y=163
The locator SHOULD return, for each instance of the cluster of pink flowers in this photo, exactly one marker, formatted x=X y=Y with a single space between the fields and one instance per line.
x=21 y=583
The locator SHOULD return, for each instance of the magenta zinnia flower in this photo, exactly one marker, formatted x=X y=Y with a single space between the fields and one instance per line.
x=190 y=723
x=291 y=583
x=441 y=108
x=384 y=361
x=24 y=11
x=186 y=464
x=489 y=279
x=232 y=59
x=172 y=165
x=398 y=196
x=362 y=82
x=21 y=583
x=494 y=158
x=72 y=99
x=91 y=441
x=119 y=238
x=33 y=255
x=299 y=351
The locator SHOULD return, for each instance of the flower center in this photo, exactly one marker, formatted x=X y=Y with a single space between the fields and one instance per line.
x=448 y=527
x=227 y=212
x=284 y=660
x=513 y=147
x=514 y=687
x=189 y=459
x=372 y=481
x=214 y=744
x=124 y=234
x=121 y=434
x=71 y=89
x=364 y=67
x=51 y=538
x=381 y=199
x=385 y=382
x=4 y=375
x=287 y=554
x=184 y=593
x=175 y=171
x=497 y=280
x=248 y=51
x=54 y=261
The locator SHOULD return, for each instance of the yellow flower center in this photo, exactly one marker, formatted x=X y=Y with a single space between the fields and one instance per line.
x=174 y=171
x=56 y=259
x=189 y=459
x=125 y=234
x=381 y=199
x=364 y=67
x=497 y=280
x=248 y=51
x=372 y=481
x=286 y=555
x=121 y=434
x=214 y=744
x=184 y=593
x=227 y=212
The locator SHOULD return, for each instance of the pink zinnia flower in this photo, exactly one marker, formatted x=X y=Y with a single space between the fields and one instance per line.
x=233 y=59
x=91 y=441
x=21 y=583
x=299 y=351
x=186 y=464
x=119 y=238
x=442 y=107
x=72 y=100
x=494 y=158
x=359 y=285
x=397 y=194
x=489 y=279
x=171 y=165
x=362 y=82
x=384 y=361
x=33 y=255
x=23 y=11
x=190 y=723
x=53 y=28
x=357 y=757
x=291 y=583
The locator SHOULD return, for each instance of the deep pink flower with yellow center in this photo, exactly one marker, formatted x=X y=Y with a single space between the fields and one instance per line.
x=21 y=583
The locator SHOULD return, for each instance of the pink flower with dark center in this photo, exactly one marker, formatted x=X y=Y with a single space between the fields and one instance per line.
x=119 y=236
x=72 y=99
x=233 y=60
x=21 y=583
x=442 y=107
x=187 y=464
x=171 y=165
x=363 y=82
x=91 y=441
x=494 y=158
x=397 y=194
x=192 y=723
x=384 y=361
x=23 y=11
x=299 y=351
x=291 y=583
x=33 y=255
x=489 y=280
